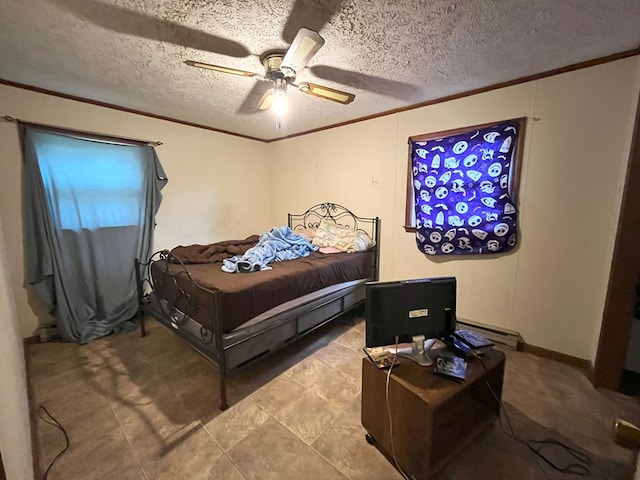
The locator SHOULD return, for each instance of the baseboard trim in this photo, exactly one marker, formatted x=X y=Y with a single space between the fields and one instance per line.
x=591 y=374
x=499 y=335
x=580 y=363
x=31 y=340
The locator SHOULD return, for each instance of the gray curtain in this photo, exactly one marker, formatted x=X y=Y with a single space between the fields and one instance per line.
x=89 y=211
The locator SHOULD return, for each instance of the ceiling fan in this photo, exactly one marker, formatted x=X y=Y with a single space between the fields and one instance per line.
x=281 y=69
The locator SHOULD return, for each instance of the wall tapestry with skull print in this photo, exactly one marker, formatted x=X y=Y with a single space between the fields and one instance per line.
x=463 y=202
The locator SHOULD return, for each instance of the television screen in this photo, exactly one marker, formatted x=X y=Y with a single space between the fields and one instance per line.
x=408 y=308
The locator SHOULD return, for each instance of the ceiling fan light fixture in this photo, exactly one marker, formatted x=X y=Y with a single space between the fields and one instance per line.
x=279 y=94
x=280 y=103
x=288 y=72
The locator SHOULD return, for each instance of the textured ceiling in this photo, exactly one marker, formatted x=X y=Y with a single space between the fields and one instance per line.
x=390 y=54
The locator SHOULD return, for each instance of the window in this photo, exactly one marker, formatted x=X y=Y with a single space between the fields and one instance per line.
x=91 y=184
x=461 y=189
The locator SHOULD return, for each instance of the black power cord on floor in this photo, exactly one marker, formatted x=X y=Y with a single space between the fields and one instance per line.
x=58 y=425
x=582 y=460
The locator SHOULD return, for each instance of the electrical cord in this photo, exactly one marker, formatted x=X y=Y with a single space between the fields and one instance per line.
x=581 y=468
x=393 y=450
x=59 y=426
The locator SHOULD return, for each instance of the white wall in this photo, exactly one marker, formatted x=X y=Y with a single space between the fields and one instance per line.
x=15 y=437
x=352 y=166
x=218 y=184
x=552 y=288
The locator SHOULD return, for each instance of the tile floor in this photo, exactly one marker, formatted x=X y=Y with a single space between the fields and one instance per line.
x=146 y=408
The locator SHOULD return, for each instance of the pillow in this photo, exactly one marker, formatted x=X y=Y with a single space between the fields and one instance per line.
x=330 y=234
x=364 y=241
x=345 y=239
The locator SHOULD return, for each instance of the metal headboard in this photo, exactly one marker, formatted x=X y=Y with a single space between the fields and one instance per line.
x=342 y=216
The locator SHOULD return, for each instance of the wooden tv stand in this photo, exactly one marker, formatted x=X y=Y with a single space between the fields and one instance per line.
x=433 y=417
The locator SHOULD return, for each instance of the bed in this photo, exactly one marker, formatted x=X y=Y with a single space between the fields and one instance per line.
x=236 y=319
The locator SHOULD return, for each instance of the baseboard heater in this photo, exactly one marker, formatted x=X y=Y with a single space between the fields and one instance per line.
x=501 y=336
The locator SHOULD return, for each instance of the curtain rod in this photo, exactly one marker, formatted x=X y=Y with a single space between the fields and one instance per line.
x=97 y=136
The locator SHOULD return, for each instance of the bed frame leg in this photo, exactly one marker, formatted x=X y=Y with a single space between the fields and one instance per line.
x=223 y=392
x=143 y=330
x=222 y=354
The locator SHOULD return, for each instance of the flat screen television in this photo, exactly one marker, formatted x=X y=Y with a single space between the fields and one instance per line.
x=410 y=311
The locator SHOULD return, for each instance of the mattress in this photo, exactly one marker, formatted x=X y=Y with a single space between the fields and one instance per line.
x=239 y=297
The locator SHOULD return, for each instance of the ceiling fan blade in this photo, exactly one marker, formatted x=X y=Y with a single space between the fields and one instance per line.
x=313 y=15
x=302 y=49
x=218 y=68
x=254 y=98
x=131 y=22
x=371 y=83
x=327 y=93
x=266 y=101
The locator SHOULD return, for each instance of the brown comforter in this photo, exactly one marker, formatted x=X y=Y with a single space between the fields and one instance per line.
x=215 y=252
x=241 y=297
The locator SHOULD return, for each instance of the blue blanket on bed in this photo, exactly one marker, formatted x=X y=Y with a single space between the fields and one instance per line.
x=274 y=246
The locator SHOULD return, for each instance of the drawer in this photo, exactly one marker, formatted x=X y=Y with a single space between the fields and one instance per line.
x=319 y=315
